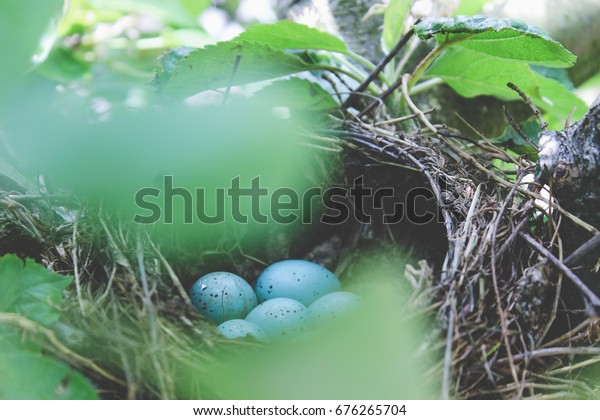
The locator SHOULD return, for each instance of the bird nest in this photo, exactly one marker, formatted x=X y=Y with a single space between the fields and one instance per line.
x=509 y=320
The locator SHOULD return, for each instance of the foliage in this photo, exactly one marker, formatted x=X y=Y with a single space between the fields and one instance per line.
x=102 y=133
x=29 y=290
x=474 y=55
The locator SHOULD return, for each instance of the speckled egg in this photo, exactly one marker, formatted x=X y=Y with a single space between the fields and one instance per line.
x=221 y=296
x=300 y=280
x=333 y=306
x=240 y=328
x=280 y=317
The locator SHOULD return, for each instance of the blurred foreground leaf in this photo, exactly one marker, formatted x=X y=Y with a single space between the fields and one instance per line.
x=299 y=94
x=375 y=353
x=30 y=290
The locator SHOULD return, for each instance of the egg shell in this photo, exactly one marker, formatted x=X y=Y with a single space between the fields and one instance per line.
x=222 y=296
x=240 y=328
x=280 y=317
x=333 y=306
x=300 y=280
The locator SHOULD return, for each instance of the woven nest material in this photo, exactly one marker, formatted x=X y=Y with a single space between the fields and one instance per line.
x=508 y=325
x=512 y=324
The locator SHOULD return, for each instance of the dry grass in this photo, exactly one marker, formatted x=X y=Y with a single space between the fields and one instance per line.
x=506 y=328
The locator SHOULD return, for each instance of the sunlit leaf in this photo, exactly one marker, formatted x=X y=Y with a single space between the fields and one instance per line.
x=293 y=36
x=211 y=67
x=506 y=38
x=394 y=20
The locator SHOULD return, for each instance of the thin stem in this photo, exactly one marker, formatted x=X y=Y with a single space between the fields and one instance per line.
x=348 y=73
x=377 y=71
x=362 y=60
x=425 y=63
x=427 y=84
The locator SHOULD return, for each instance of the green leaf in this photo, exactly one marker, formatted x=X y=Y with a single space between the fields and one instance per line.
x=394 y=20
x=471 y=73
x=560 y=75
x=556 y=99
x=28 y=374
x=296 y=93
x=288 y=35
x=211 y=67
x=63 y=66
x=22 y=24
x=506 y=38
x=30 y=290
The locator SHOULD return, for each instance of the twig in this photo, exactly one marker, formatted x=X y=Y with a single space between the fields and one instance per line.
x=448 y=355
x=151 y=315
x=75 y=258
x=569 y=334
x=528 y=102
x=554 y=351
x=583 y=250
x=382 y=97
x=594 y=300
x=518 y=128
x=231 y=77
x=412 y=106
x=402 y=119
x=501 y=313
x=131 y=385
x=379 y=68
x=172 y=274
x=524 y=191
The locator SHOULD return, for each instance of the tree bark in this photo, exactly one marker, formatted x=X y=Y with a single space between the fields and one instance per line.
x=569 y=160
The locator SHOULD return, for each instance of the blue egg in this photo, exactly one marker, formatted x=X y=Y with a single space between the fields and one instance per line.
x=240 y=328
x=280 y=317
x=300 y=280
x=333 y=306
x=221 y=296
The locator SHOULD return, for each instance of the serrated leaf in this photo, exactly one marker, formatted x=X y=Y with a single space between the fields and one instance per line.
x=471 y=73
x=28 y=374
x=299 y=94
x=211 y=67
x=507 y=38
x=30 y=290
x=288 y=35
x=167 y=63
x=393 y=21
